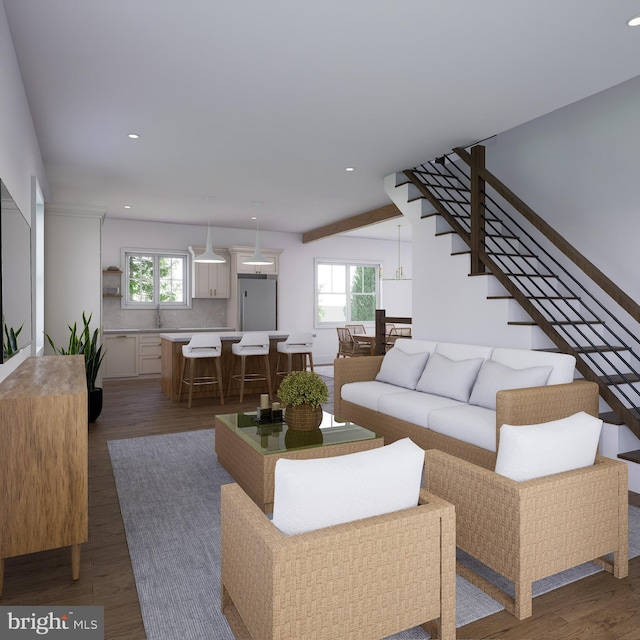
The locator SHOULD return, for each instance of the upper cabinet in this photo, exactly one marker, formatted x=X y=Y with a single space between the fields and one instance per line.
x=274 y=254
x=211 y=280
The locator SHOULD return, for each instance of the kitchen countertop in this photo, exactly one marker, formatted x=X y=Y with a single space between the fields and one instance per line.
x=185 y=335
x=168 y=330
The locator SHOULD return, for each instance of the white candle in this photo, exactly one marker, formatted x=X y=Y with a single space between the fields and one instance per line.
x=264 y=401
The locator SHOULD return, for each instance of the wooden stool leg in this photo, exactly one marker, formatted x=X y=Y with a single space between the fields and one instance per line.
x=191 y=365
x=184 y=365
x=231 y=370
x=219 y=373
x=242 y=368
x=310 y=360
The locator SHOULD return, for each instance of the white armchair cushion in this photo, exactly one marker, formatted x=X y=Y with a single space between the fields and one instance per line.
x=401 y=368
x=449 y=378
x=536 y=450
x=321 y=492
x=495 y=376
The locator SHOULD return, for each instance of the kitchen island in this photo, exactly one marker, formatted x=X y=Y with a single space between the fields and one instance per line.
x=171 y=348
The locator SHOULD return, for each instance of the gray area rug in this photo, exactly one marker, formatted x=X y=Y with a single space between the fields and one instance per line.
x=169 y=492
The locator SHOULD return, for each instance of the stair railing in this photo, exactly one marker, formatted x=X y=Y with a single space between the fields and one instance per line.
x=492 y=221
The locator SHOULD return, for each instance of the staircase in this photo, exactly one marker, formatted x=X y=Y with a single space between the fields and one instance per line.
x=577 y=307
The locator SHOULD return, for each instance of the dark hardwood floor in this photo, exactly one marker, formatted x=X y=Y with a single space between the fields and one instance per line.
x=598 y=607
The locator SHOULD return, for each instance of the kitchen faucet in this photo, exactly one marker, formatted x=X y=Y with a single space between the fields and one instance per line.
x=158 y=318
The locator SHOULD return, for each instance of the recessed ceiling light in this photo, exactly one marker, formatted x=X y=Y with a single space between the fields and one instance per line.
x=127 y=206
x=349 y=169
x=134 y=136
x=634 y=22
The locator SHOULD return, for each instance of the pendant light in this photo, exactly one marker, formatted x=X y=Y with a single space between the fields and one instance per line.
x=257 y=258
x=399 y=275
x=209 y=255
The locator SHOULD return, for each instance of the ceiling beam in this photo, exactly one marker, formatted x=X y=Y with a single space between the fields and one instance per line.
x=355 y=222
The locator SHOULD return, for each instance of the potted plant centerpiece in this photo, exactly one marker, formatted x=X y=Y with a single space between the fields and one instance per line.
x=302 y=394
x=85 y=343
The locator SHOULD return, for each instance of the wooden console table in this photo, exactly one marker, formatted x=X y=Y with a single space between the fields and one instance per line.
x=44 y=458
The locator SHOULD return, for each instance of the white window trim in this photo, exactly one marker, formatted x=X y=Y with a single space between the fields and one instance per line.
x=359 y=263
x=125 y=304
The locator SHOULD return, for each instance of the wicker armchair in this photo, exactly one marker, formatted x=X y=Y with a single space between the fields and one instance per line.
x=349 y=346
x=364 y=579
x=533 y=529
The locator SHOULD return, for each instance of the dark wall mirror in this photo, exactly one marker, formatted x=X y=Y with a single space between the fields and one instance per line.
x=15 y=276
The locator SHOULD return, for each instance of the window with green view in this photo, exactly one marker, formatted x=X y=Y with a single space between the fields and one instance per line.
x=154 y=277
x=345 y=292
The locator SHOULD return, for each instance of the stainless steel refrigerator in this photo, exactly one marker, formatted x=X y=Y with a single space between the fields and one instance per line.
x=257 y=302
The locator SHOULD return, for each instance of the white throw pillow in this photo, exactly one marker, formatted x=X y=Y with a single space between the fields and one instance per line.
x=536 y=450
x=401 y=368
x=494 y=377
x=321 y=492
x=449 y=378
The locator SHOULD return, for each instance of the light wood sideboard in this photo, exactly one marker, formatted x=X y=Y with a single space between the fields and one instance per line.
x=44 y=458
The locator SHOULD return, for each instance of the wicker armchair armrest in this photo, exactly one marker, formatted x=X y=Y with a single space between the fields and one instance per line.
x=347 y=370
x=533 y=405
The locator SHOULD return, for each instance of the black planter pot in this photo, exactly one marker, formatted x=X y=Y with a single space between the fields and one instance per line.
x=95 y=404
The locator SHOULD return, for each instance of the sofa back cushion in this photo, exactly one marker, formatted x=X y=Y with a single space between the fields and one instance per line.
x=461 y=351
x=449 y=378
x=562 y=365
x=321 y=492
x=494 y=377
x=415 y=346
x=401 y=368
x=535 y=450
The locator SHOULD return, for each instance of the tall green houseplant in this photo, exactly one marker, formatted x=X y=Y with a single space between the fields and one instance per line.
x=85 y=342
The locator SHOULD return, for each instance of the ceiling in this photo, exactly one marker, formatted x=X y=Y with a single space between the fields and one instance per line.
x=253 y=101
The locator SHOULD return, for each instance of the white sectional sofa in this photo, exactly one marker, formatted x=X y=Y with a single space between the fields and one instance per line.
x=454 y=397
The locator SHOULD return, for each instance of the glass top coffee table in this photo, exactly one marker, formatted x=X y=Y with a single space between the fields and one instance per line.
x=249 y=451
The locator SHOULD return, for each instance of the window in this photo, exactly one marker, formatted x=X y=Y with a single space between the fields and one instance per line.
x=345 y=292
x=156 y=277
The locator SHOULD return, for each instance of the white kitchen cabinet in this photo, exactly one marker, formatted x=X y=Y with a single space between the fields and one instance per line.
x=211 y=280
x=149 y=354
x=255 y=268
x=121 y=358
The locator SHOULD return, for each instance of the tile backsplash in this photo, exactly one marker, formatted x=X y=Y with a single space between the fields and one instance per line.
x=203 y=314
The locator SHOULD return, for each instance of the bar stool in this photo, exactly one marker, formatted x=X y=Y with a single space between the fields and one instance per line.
x=251 y=344
x=201 y=346
x=298 y=343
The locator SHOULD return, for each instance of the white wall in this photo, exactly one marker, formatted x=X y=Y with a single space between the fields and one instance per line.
x=578 y=168
x=296 y=277
x=73 y=271
x=20 y=157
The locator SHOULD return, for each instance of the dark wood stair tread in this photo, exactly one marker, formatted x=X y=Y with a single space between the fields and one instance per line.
x=633 y=456
x=620 y=379
x=603 y=348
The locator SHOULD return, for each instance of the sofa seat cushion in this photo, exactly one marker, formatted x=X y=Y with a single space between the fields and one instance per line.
x=413 y=406
x=468 y=423
x=368 y=393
